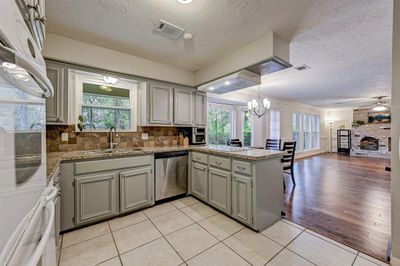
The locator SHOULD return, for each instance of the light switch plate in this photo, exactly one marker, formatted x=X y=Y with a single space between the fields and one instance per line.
x=64 y=136
x=145 y=136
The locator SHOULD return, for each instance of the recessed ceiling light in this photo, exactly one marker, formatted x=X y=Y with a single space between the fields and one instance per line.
x=211 y=88
x=184 y=1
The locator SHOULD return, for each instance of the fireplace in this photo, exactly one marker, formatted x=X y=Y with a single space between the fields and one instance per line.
x=369 y=143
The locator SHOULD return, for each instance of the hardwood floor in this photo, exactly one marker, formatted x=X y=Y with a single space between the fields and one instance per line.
x=344 y=198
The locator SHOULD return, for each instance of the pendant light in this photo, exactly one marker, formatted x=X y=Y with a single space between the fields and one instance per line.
x=259 y=107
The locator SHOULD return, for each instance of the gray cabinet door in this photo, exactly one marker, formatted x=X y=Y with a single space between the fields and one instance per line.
x=200 y=109
x=57 y=106
x=183 y=106
x=161 y=104
x=219 y=189
x=199 y=181
x=136 y=189
x=242 y=198
x=95 y=197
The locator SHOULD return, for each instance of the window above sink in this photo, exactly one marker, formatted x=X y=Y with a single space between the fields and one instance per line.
x=103 y=104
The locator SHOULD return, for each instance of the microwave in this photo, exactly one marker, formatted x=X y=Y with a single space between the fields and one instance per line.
x=198 y=135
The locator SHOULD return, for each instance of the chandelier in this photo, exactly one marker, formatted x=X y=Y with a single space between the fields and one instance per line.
x=259 y=107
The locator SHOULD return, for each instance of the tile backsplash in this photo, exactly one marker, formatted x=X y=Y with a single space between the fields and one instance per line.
x=157 y=136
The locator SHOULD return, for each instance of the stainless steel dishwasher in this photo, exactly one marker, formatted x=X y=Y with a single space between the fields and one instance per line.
x=171 y=172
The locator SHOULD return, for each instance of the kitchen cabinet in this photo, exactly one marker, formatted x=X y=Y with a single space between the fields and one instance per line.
x=219 y=189
x=136 y=189
x=183 y=106
x=57 y=106
x=95 y=197
x=161 y=104
x=199 y=180
x=200 y=106
x=242 y=198
x=97 y=189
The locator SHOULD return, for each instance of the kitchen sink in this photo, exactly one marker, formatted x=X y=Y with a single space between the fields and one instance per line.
x=121 y=150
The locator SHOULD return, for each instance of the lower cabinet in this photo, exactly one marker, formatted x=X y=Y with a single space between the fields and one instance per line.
x=199 y=181
x=95 y=197
x=136 y=189
x=219 y=189
x=242 y=198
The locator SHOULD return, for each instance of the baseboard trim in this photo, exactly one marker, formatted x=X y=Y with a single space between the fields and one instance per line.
x=394 y=261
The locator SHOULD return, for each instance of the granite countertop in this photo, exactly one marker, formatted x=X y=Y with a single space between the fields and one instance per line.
x=55 y=158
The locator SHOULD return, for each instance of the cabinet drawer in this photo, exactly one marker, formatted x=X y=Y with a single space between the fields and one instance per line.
x=199 y=157
x=241 y=167
x=219 y=162
x=111 y=164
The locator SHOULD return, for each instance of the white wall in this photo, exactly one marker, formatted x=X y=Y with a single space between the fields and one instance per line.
x=395 y=131
x=340 y=117
x=72 y=51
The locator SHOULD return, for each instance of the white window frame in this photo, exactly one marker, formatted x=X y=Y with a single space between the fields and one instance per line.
x=270 y=123
x=94 y=78
x=312 y=119
x=242 y=112
x=224 y=107
x=299 y=144
x=316 y=125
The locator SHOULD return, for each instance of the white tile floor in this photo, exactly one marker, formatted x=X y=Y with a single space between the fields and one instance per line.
x=187 y=232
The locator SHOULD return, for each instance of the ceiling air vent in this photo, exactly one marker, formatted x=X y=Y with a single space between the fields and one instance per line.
x=169 y=30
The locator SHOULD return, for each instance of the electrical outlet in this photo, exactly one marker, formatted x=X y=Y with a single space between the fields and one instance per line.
x=145 y=136
x=64 y=136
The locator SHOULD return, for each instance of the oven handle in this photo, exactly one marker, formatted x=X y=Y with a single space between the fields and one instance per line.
x=11 y=56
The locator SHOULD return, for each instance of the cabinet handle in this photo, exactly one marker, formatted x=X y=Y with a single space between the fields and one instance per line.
x=218 y=163
x=197 y=158
x=240 y=168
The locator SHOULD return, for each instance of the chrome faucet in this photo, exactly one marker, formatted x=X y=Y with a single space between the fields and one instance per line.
x=111 y=143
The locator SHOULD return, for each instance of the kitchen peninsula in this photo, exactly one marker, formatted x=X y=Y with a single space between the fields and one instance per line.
x=243 y=183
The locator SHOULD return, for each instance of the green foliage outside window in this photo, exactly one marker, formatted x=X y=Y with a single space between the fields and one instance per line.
x=219 y=126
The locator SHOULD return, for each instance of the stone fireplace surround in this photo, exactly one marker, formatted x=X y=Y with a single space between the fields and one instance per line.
x=370 y=140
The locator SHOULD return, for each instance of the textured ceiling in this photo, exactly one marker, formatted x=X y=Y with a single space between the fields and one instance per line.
x=348 y=45
x=218 y=27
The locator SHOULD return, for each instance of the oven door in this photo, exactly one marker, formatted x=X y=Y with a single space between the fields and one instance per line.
x=23 y=88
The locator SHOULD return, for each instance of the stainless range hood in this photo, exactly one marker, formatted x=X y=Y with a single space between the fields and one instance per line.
x=245 y=78
x=236 y=81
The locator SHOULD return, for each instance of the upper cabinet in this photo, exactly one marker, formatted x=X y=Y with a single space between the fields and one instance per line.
x=200 y=112
x=168 y=104
x=183 y=106
x=161 y=104
x=57 y=106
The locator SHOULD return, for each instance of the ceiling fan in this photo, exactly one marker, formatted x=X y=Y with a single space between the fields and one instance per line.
x=379 y=106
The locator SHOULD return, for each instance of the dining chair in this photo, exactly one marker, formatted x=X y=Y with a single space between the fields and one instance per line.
x=288 y=160
x=234 y=143
x=273 y=144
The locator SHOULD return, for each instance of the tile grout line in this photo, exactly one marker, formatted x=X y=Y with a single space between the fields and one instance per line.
x=357 y=251
x=355 y=259
x=167 y=239
x=59 y=258
x=115 y=243
x=287 y=247
x=222 y=241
